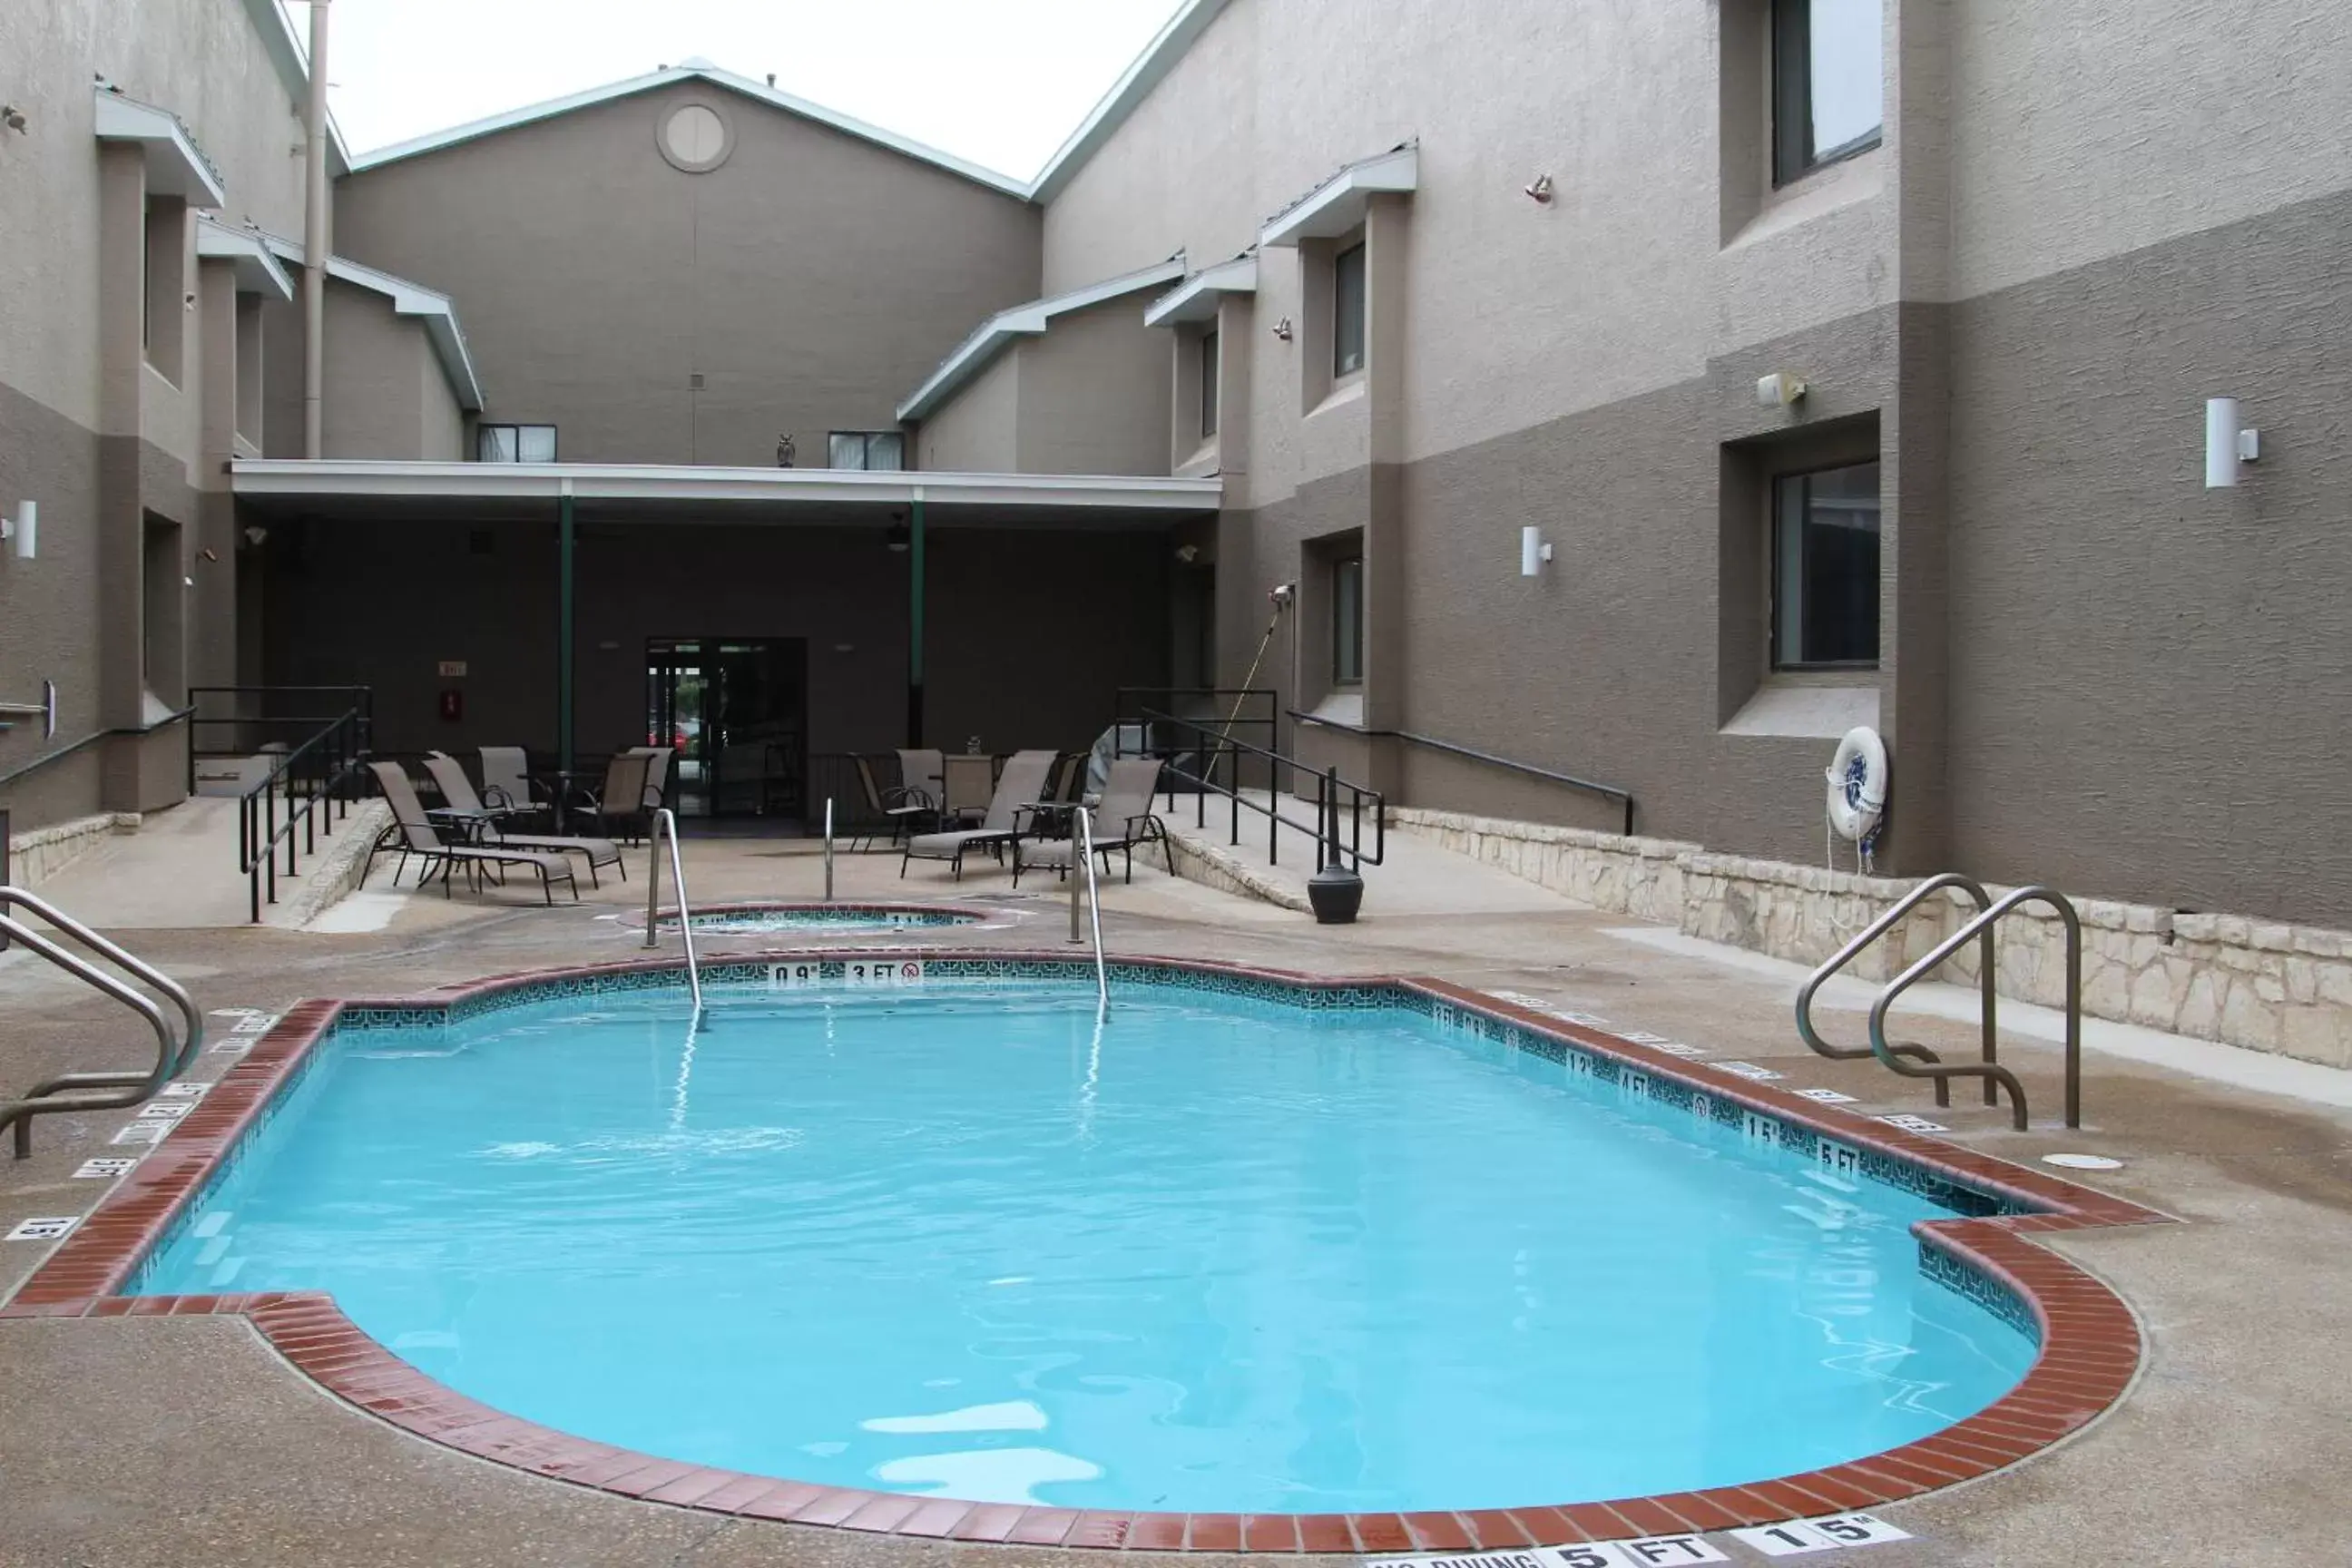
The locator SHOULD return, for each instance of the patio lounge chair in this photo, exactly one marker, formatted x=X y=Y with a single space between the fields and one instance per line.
x=507 y=785
x=413 y=831
x=1017 y=790
x=923 y=770
x=622 y=799
x=458 y=791
x=905 y=809
x=1121 y=820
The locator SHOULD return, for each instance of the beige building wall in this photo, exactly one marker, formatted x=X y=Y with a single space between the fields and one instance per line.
x=978 y=431
x=2080 y=224
x=660 y=316
x=106 y=433
x=386 y=393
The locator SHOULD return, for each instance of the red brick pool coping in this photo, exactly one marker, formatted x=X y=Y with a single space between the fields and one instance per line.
x=2090 y=1340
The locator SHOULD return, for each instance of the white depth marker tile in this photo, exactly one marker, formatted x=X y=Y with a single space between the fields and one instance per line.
x=1910 y=1123
x=1749 y=1071
x=1800 y=1537
x=100 y=1170
x=142 y=1132
x=44 y=1228
x=1826 y=1096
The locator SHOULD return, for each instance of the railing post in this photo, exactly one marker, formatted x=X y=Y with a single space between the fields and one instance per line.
x=828 y=850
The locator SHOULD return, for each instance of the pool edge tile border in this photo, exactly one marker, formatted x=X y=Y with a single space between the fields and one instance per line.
x=2090 y=1351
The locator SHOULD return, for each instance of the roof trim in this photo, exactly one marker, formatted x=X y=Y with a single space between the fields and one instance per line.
x=247 y=251
x=1030 y=320
x=1197 y=298
x=645 y=481
x=1337 y=205
x=176 y=166
x=906 y=146
x=1149 y=69
x=433 y=307
x=284 y=46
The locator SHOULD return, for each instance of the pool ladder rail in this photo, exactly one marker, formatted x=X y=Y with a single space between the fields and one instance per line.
x=112 y=1090
x=1082 y=849
x=1918 y=1061
x=665 y=822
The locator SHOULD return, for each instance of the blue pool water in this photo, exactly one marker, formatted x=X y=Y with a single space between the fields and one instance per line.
x=1224 y=1255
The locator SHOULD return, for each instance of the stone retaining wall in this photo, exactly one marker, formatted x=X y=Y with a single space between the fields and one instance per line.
x=39 y=853
x=2267 y=986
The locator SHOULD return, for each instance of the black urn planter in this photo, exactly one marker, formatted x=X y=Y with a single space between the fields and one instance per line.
x=1336 y=894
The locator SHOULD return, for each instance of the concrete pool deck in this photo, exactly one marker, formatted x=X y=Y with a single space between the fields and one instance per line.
x=188 y=1441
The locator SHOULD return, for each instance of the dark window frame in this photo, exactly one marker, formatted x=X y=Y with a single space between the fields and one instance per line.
x=482 y=437
x=1208 y=368
x=1347 y=628
x=1794 y=156
x=1349 y=327
x=865 y=450
x=1776 y=490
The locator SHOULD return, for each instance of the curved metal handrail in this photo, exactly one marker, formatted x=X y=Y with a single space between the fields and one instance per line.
x=1981 y=929
x=1082 y=849
x=113 y=1090
x=1872 y=933
x=663 y=817
x=124 y=958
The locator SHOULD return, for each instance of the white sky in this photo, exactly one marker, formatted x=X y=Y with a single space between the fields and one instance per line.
x=1001 y=82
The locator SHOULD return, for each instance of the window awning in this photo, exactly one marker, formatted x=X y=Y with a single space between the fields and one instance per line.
x=176 y=166
x=1195 y=299
x=1338 y=204
x=247 y=251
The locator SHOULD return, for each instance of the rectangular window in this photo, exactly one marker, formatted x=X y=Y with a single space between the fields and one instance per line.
x=514 y=444
x=1348 y=310
x=1208 y=383
x=1826 y=83
x=1348 y=621
x=881 y=450
x=1825 y=569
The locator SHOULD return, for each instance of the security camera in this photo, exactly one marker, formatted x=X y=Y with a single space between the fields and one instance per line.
x=1283 y=592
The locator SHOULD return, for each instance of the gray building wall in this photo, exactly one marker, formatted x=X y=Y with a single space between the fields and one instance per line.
x=978 y=431
x=808 y=280
x=387 y=395
x=2079 y=225
x=1089 y=395
x=104 y=444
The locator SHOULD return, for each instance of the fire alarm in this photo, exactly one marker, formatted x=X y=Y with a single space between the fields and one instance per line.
x=453 y=704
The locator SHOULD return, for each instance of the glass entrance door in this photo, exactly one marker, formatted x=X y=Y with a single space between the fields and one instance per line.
x=736 y=710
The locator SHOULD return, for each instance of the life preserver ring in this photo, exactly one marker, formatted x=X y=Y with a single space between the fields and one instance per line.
x=1857 y=781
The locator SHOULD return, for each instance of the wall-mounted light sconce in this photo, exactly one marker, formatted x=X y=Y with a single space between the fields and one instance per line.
x=1539 y=190
x=2229 y=445
x=1780 y=390
x=1533 y=552
x=1281 y=328
x=22 y=532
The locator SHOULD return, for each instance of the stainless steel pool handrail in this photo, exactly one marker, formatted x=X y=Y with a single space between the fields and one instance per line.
x=665 y=820
x=828 y=850
x=108 y=1090
x=1871 y=933
x=1082 y=849
x=1981 y=929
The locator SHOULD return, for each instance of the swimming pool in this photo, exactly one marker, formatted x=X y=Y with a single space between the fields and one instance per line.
x=818 y=919
x=1229 y=1254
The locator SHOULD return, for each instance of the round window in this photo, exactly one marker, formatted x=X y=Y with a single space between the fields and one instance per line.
x=694 y=138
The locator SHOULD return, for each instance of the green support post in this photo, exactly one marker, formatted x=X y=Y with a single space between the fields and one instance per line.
x=563 y=639
x=915 y=625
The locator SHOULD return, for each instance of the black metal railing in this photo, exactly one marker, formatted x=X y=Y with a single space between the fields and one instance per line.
x=324 y=768
x=1194 y=754
x=1253 y=712
x=1568 y=781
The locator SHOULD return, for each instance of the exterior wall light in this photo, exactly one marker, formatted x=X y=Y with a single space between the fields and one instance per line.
x=22 y=531
x=1533 y=552
x=1780 y=390
x=1281 y=328
x=2229 y=445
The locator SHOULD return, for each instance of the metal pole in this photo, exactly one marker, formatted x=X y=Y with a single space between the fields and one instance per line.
x=915 y=624
x=1077 y=873
x=828 y=850
x=315 y=242
x=563 y=636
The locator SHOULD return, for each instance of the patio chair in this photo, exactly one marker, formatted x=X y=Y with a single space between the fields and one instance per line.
x=905 y=810
x=1017 y=790
x=415 y=832
x=507 y=783
x=1122 y=819
x=621 y=800
x=458 y=791
x=921 y=771
x=656 y=774
x=968 y=787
